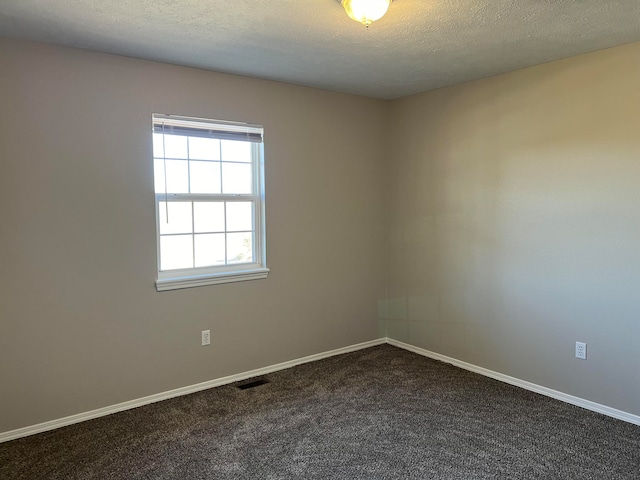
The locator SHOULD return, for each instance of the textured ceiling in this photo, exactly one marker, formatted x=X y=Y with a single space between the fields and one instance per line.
x=419 y=45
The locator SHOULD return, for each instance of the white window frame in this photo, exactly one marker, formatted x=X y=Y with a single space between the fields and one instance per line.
x=201 y=276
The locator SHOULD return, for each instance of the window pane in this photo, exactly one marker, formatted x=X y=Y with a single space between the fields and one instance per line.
x=236 y=178
x=239 y=247
x=205 y=177
x=158 y=175
x=209 y=216
x=176 y=251
x=209 y=196
x=204 y=148
x=175 y=146
x=239 y=216
x=177 y=176
x=158 y=148
x=236 y=151
x=209 y=249
x=179 y=217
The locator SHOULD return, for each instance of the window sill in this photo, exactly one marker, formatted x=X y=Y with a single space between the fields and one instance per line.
x=163 y=284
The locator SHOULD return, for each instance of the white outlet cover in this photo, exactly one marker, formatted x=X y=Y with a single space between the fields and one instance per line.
x=581 y=350
x=206 y=337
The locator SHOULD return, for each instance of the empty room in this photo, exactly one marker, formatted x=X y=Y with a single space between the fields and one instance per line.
x=320 y=239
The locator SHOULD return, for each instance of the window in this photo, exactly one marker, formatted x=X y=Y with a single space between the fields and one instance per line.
x=209 y=189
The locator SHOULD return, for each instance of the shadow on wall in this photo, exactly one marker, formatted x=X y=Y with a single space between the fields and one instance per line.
x=515 y=220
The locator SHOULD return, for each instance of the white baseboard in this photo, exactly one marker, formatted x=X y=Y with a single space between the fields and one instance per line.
x=101 y=412
x=580 y=402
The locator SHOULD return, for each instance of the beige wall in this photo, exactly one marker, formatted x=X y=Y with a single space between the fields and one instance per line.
x=515 y=224
x=513 y=228
x=81 y=325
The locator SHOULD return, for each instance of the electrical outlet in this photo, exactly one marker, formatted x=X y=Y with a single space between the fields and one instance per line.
x=581 y=350
x=206 y=337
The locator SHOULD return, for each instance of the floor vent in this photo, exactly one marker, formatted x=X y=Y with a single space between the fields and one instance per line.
x=255 y=383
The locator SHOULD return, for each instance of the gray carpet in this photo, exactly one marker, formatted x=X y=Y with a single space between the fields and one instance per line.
x=380 y=413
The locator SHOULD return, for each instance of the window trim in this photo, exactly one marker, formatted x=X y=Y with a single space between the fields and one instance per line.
x=229 y=273
x=174 y=283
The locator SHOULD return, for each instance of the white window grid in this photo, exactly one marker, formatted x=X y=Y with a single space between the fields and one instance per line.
x=255 y=198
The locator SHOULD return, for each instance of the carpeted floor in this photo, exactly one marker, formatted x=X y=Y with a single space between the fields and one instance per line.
x=380 y=413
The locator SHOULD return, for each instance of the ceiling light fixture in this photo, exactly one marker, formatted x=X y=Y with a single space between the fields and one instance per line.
x=366 y=11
